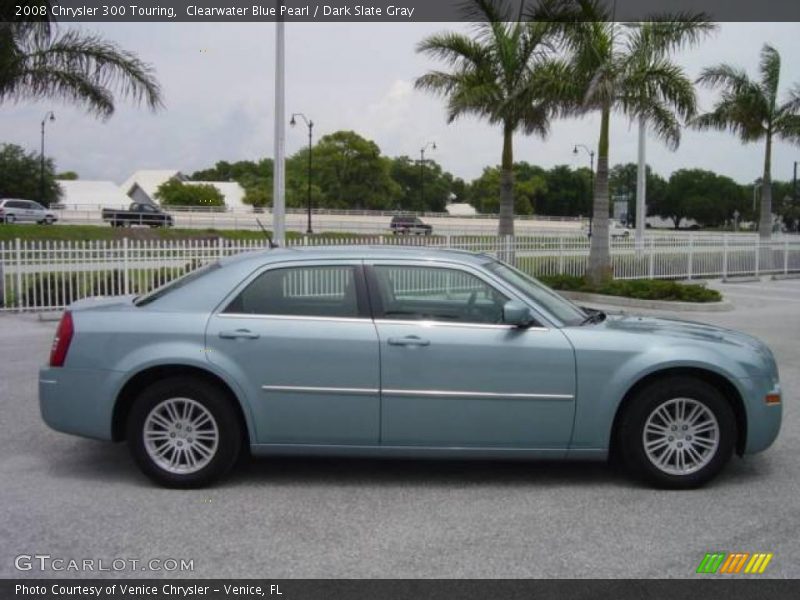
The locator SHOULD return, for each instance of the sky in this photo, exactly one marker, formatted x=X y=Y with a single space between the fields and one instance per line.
x=218 y=89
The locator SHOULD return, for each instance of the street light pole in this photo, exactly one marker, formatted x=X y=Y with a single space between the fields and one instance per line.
x=310 y=124
x=52 y=117
x=591 y=180
x=432 y=146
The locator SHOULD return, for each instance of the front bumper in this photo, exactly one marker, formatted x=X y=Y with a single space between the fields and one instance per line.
x=78 y=401
x=763 y=420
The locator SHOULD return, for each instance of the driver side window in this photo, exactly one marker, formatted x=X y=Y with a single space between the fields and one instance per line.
x=435 y=294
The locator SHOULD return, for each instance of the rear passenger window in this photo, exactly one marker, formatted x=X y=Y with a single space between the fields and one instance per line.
x=300 y=291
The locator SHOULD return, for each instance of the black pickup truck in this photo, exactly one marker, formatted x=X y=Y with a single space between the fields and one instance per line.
x=138 y=214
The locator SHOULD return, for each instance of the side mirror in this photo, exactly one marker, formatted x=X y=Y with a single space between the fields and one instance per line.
x=516 y=313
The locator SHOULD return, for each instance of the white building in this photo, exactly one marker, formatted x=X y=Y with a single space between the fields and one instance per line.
x=91 y=195
x=143 y=185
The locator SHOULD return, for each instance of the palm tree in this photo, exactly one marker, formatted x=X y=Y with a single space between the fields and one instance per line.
x=37 y=61
x=492 y=75
x=751 y=110
x=624 y=68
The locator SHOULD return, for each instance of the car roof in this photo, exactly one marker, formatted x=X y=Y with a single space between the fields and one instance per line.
x=357 y=252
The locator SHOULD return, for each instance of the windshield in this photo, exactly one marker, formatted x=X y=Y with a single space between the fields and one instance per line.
x=174 y=284
x=556 y=305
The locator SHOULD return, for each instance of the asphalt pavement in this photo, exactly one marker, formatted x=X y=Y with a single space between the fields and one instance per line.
x=78 y=499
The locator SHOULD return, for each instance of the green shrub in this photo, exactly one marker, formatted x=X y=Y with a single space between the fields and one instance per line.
x=643 y=289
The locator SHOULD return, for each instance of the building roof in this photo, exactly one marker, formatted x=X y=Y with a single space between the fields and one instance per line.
x=86 y=194
x=149 y=180
x=232 y=192
x=460 y=209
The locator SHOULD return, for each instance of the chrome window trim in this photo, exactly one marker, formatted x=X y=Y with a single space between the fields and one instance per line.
x=468 y=394
x=299 y=389
x=432 y=323
x=293 y=317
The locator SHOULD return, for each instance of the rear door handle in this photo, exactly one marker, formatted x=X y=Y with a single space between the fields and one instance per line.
x=238 y=334
x=409 y=340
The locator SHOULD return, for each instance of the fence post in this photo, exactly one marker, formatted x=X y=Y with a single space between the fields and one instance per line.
x=724 y=256
x=785 y=256
x=220 y=247
x=560 y=254
x=449 y=242
x=651 y=267
x=125 y=269
x=691 y=255
x=18 y=294
x=758 y=251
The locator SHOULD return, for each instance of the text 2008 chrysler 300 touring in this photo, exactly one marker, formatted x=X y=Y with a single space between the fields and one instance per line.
x=400 y=352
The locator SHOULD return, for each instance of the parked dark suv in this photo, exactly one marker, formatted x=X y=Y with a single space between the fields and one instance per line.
x=409 y=225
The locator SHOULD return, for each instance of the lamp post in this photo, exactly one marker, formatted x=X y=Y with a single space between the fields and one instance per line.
x=591 y=180
x=432 y=146
x=310 y=124
x=49 y=115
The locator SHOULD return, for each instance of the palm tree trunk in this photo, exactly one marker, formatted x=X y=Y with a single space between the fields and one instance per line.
x=599 y=251
x=506 y=224
x=765 y=221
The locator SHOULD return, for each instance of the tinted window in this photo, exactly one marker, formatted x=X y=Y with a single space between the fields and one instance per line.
x=551 y=301
x=175 y=284
x=436 y=294
x=300 y=291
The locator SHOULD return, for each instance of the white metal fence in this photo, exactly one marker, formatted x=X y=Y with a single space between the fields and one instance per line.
x=38 y=275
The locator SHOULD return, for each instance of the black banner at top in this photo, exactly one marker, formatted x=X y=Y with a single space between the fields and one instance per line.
x=371 y=11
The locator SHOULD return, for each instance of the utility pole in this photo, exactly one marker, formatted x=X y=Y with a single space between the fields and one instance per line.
x=279 y=167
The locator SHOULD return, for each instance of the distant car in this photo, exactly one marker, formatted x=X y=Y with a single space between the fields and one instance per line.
x=618 y=230
x=13 y=210
x=138 y=213
x=400 y=352
x=409 y=226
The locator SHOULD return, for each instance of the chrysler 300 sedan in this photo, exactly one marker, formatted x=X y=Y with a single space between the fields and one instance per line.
x=412 y=352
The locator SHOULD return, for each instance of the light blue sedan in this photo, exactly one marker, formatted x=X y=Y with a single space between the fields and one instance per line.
x=404 y=352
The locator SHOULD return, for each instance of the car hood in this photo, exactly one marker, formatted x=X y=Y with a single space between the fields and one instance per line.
x=677 y=329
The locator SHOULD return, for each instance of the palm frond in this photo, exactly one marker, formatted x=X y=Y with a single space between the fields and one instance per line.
x=666 y=33
x=453 y=48
x=769 y=68
x=788 y=129
x=70 y=64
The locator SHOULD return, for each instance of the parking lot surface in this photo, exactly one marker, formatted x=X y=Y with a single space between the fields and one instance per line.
x=79 y=499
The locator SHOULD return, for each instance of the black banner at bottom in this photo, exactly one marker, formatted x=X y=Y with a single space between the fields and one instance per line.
x=401 y=589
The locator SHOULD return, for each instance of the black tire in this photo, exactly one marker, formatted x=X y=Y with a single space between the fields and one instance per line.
x=216 y=402
x=630 y=438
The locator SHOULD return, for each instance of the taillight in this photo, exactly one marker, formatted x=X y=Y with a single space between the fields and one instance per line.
x=58 y=353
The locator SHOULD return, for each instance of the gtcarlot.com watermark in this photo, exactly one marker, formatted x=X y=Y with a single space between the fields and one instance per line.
x=58 y=564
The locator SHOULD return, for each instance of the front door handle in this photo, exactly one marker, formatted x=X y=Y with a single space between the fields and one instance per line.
x=409 y=340
x=245 y=334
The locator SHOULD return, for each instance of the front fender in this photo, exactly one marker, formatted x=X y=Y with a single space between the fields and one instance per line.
x=605 y=376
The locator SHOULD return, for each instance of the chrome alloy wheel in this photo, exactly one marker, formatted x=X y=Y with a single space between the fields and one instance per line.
x=681 y=436
x=180 y=435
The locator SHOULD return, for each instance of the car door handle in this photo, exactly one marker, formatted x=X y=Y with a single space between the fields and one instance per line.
x=238 y=334
x=409 y=340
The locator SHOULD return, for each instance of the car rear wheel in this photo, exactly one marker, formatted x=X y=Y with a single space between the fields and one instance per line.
x=677 y=433
x=10 y=218
x=184 y=432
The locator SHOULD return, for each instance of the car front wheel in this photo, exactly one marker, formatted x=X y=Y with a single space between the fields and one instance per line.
x=677 y=433
x=184 y=432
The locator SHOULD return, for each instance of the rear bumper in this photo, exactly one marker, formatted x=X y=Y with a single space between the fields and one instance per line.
x=78 y=401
